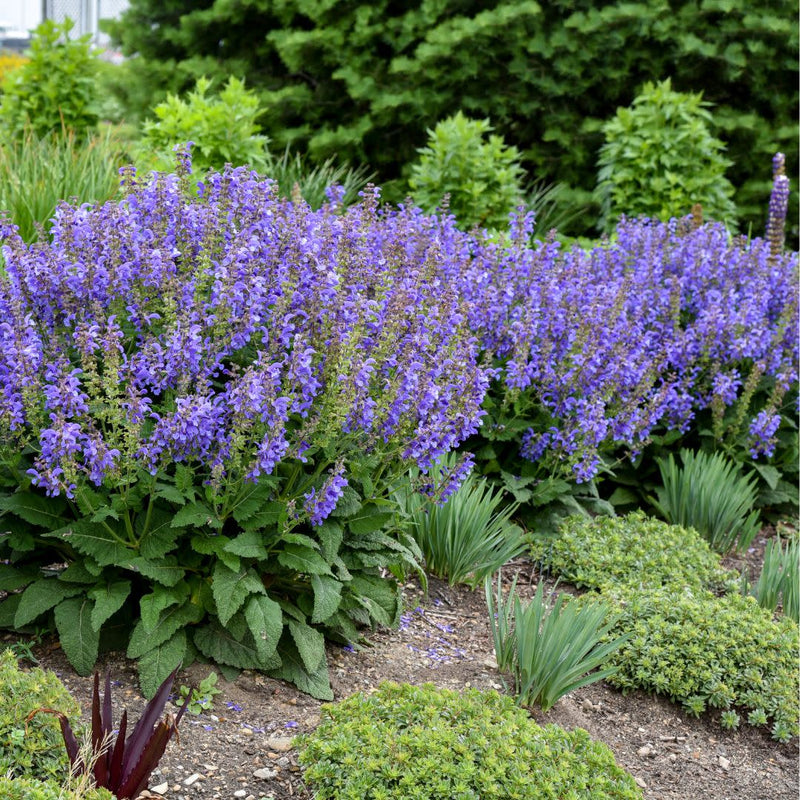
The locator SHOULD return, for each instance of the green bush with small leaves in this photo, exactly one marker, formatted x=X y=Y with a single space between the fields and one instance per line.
x=32 y=748
x=660 y=158
x=55 y=89
x=29 y=789
x=423 y=743
x=635 y=550
x=705 y=651
x=481 y=175
x=223 y=129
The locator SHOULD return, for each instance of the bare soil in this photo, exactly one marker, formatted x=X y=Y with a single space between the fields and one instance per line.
x=242 y=748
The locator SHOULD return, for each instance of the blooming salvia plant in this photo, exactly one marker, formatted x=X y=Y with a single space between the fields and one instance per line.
x=206 y=400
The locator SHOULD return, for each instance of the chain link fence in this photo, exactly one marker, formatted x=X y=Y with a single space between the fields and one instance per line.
x=86 y=14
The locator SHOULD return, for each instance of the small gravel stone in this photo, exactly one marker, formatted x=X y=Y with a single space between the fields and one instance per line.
x=265 y=773
x=161 y=788
x=724 y=763
x=280 y=744
x=240 y=793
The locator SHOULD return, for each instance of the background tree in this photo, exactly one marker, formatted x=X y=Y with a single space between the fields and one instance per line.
x=366 y=80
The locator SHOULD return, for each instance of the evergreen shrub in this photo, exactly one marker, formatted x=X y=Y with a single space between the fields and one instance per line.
x=31 y=748
x=422 y=743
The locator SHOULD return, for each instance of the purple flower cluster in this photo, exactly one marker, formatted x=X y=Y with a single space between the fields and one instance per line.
x=648 y=329
x=231 y=330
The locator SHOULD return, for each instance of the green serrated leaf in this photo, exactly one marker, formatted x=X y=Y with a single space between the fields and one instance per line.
x=194 y=515
x=381 y=597
x=79 y=572
x=265 y=621
x=40 y=597
x=8 y=611
x=79 y=639
x=170 y=492
x=158 y=663
x=108 y=599
x=103 y=513
x=330 y=538
x=184 y=481
x=217 y=644
x=231 y=588
x=327 y=596
x=95 y=540
x=12 y=578
x=46 y=512
x=292 y=669
x=271 y=515
x=310 y=644
x=249 y=544
x=160 y=537
x=215 y=544
x=170 y=621
x=166 y=571
x=252 y=499
x=304 y=560
x=369 y=519
x=151 y=605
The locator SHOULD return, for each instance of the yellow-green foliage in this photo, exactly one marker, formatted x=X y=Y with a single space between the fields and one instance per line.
x=29 y=789
x=604 y=552
x=706 y=651
x=422 y=743
x=34 y=749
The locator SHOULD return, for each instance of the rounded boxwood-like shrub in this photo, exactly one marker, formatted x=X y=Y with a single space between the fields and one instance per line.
x=29 y=789
x=34 y=749
x=425 y=743
x=637 y=550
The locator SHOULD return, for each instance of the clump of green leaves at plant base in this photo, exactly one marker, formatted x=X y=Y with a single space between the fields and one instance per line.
x=659 y=159
x=422 y=743
x=705 y=651
x=469 y=535
x=779 y=581
x=476 y=168
x=710 y=494
x=635 y=550
x=55 y=89
x=33 y=748
x=556 y=649
x=37 y=172
x=223 y=128
x=31 y=789
x=199 y=699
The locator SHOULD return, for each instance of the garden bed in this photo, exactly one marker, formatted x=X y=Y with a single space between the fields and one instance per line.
x=241 y=748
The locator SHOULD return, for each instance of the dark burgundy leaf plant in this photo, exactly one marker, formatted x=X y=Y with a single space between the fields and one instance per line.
x=122 y=765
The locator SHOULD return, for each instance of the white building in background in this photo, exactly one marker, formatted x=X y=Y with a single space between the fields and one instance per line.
x=27 y=14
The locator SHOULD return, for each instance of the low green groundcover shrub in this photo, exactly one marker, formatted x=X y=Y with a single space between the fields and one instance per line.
x=706 y=651
x=424 y=743
x=28 y=789
x=33 y=748
x=604 y=552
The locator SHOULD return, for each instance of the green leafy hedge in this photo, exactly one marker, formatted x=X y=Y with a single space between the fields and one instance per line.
x=365 y=80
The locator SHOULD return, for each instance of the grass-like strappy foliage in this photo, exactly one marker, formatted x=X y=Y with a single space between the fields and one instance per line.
x=778 y=582
x=558 y=648
x=470 y=536
x=709 y=494
x=36 y=173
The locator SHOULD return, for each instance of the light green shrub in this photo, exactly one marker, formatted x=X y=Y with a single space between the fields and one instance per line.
x=705 y=651
x=482 y=175
x=32 y=748
x=636 y=550
x=223 y=129
x=28 y=789
x=660 y=158
x=55 y=89
x=422 y=743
